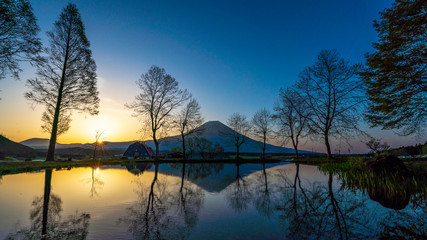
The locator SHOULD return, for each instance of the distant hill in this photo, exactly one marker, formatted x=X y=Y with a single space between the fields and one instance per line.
x=11 y=148
x=80 y=153
x=211 y=131
x=43 y=143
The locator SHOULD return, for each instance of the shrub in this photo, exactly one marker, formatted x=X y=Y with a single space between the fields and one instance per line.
x=355 y=163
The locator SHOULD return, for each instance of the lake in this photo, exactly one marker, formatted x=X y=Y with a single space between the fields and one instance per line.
x=203 y=201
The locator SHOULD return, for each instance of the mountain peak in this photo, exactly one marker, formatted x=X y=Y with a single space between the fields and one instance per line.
x=212 y=128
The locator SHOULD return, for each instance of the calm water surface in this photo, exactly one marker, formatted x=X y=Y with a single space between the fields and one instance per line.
x=199 y=201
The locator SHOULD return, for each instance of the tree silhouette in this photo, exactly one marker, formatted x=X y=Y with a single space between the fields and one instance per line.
x=161 y=214
x=187 y=121
x=333 y=95
x=241 y=127
x=312 y=210
x=262 y=127
x=238 y=193
x=160 y=96
x=46 y=220
x=18 y=36
x=396 y=76
x=66 y=76
x=263 y=196
x=291 y=113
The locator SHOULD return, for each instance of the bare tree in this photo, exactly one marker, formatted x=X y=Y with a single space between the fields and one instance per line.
x=187 y=121
x=66 y=76
x=18 y=36
x=217 y=149
x=191 y=145
x=333 y=94
x=376 y=146
x=160 y=96
x=97 y=143
x=291 y=116
x=262 y=127
x=240 y=128
x=203 y=146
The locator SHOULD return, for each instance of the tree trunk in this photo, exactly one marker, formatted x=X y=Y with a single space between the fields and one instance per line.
x=183 y=146
x=337 y=211
x=156 y=170
x=295 y=144
x=238 y=171
x=51 y=151
x=295 y=186
x=237 y=151
x=46 y=198
x=94 y=151
x=182 y=177
x=328 y=146
x=156 y=143
x=263 y=147
x=265 y=177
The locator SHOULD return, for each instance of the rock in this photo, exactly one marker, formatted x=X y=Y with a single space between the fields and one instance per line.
x=388 y=165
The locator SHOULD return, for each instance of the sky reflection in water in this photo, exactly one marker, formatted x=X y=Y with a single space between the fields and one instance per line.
x=197 y=201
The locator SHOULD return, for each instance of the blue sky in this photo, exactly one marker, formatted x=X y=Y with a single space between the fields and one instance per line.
x=233 y=56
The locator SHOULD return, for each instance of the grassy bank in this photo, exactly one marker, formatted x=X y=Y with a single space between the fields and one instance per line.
x=12 y=167
x=9 y=167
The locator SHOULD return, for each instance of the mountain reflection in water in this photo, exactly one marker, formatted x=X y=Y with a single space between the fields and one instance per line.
x=199 y=201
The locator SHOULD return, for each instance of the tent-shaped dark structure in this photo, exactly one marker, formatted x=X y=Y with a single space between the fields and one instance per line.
x=139 y=150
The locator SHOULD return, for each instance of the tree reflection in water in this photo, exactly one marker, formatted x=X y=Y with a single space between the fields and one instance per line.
x=190 y=201
x=263 y=198
x=46 y=220
x=95 y=183
x=163 y=212
x=407 y=225
x=238 y=194
x=405 y=195
x=324 y=209
x=311 y=210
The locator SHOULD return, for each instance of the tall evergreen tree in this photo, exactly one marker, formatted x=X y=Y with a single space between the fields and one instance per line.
x=18 y=35
x=396 y=76
x=66 y=79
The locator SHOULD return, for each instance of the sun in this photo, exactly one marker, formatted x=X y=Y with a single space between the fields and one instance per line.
x=100 y=141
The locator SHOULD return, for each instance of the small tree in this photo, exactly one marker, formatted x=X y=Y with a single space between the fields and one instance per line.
x=66 y=76
x=240 y=128
x=203 y=146
x=18 y=36
x=187 y=121
x=97 y=143
x=175 y=149
x=376 y=146
x=217 y=149
x=160 y=96
x=262 y=127
x=396 y=76
x=191 y=145
x=291 y=114
x=333 y=95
